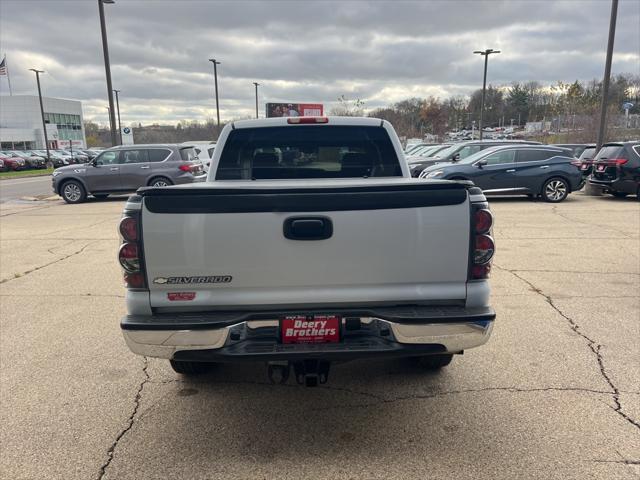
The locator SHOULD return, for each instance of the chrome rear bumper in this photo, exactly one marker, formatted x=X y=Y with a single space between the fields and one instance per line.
x=257 y=339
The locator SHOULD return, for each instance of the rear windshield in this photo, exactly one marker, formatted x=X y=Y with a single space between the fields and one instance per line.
x=310 y=151
x=610 y=151
x=588 y=153
x=188 y=153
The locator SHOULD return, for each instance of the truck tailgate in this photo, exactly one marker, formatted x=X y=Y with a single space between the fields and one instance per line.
x=216 y=247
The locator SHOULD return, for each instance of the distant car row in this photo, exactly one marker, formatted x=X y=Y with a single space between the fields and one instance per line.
x=36 y=159
x=551 y=172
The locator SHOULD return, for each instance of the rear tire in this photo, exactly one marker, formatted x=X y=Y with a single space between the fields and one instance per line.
x=434 y=362
x=160 y=182
x=191 y=368
x=555 y=190
x=72 y=191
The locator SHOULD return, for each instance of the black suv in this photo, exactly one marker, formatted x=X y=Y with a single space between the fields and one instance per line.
x=460 y=151
x=616 y=169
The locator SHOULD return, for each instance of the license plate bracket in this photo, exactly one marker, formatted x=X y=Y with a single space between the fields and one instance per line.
x=310 y=329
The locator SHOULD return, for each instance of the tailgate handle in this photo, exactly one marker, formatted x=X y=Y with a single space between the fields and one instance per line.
x=308 y=228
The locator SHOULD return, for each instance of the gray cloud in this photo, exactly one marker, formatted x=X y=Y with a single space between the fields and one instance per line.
x=302 y=51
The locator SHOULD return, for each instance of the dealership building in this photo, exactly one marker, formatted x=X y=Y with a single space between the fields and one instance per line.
x=21 y=123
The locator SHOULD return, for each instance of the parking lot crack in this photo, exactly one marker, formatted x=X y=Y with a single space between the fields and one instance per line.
x=594 y=346
x=555 y=211
x=379 y=400
x=130 y=421
x=64 y=257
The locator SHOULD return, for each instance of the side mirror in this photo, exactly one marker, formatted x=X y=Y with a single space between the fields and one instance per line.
x=481 y=163
x=455 y=157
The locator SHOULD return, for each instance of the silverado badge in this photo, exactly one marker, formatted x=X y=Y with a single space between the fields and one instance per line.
x=192 y=280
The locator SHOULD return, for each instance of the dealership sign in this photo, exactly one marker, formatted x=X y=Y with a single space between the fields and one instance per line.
x=294 y=109
x=127 y=135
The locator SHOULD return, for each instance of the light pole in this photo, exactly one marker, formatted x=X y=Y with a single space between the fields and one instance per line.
x=44 y=124
x=256 y=84
x=107 y=68
x=485 y=54
x=118 y=109
x=215 y=79
x=607 y=74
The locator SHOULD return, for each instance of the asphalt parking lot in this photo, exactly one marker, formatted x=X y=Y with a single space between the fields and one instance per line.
x=554 y=394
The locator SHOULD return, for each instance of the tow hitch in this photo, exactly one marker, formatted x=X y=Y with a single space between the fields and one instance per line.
x=310 y=372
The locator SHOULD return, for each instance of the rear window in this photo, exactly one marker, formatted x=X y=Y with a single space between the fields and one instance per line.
x=588 y=153
x=188 y=154
x=158 y=155
x=611 y=151
x=315 y=151
x=536 y=155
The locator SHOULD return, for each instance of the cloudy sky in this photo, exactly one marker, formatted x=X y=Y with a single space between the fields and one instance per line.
x=301 y=51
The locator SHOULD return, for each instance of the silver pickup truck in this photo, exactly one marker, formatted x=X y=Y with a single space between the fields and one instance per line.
x=310 y=243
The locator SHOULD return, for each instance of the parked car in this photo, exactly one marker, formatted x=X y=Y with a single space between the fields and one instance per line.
x=616 y=169
x=460 y=151
x=124 y=169
x=424 y=150
x=91 y=153
x=203 y=150
x=298 y=264
x=66 y=155
x=77 y=155
x=55 y=158
x=411 y=148
x=417 y=163
x=576 y=148
x=586 y=160
x=12 y=162
x=3 y=168
x=550 y=172
x=31 y=160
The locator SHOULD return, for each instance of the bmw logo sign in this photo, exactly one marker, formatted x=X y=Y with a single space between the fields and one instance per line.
x=126 y=130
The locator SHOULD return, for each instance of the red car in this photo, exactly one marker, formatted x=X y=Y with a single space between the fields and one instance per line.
x=13 y=163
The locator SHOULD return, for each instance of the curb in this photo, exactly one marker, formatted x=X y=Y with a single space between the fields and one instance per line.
x=17 y=177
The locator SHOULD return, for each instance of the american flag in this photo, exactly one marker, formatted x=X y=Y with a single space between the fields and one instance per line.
x=3 y=66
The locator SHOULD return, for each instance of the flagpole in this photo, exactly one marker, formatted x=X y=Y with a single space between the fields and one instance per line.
x=6 y=65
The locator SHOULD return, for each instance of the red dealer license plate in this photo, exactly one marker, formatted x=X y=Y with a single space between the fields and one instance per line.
x=310 y=329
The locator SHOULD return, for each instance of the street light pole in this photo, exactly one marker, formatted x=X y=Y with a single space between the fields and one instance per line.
x=607 y=74
x=107 y=68
x=118 y=109
x=215 y=79
x=485 y=54
x=256 y=84
x=44 y=124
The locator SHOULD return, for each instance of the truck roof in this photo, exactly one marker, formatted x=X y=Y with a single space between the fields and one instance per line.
x=283 y=121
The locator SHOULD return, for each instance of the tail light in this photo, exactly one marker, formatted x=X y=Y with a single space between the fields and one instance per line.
x=614 y=162
x=576 y=163
x=302 y=120
x=129 y=229
x=130 y=253
x=129 y=258
x=483 y=220
x=185 y=168
x=482 y=244
x=484 y=249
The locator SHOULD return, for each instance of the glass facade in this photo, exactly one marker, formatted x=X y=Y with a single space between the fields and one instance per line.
x=69 y=126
